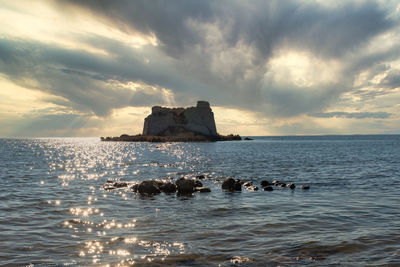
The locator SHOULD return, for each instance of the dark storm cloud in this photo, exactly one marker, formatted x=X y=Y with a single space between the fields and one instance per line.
x=265 y=24
x=392 y=79
x=165 y=19
x=328 y=32
x=83 y=78
x=353 y=115
x=214 y=50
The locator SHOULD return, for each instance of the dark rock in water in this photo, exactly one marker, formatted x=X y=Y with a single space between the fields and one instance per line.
x=231 y=184
x=237 y=186
x=275 y=182
x=153 y=187
x=247 y=183
x=120 y=184
x=148 y=187
x=304 y=187
x=135 y=187
x=185 y=186
x=192 y=124
x=264 y=183
x=252 y=188
x=197 y=184
x=200 y=177
x=248 y=138
x=168 y=188
x=203 y=189
x=177 y=121
x=110 y=185
x=228 y=183
x=158 y=183
x=268 y=188
x=291 y=186
x=241 y=260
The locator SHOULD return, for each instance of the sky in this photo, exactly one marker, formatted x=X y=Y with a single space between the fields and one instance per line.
x=95 y=68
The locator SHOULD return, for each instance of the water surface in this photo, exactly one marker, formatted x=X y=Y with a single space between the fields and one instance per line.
x=55 y=212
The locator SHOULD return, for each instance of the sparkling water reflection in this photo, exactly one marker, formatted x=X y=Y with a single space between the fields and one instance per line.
x=54 y=210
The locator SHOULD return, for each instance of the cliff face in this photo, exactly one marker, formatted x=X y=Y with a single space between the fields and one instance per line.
x=181 y=121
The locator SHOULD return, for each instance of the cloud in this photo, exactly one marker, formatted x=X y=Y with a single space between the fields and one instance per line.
x=392 y=79
x=224 y=48
x=353 y=115
x=279 y=59
x=331 y=31
x=166 y=20
x=46 y=122
x=89 y=82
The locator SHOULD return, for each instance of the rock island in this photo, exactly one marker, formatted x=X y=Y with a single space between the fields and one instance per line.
x=192 y=124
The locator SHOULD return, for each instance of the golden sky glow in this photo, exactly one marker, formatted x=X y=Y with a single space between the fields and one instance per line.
x=70 y=68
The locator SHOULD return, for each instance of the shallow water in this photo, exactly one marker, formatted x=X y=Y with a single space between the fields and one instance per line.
x=55 y=212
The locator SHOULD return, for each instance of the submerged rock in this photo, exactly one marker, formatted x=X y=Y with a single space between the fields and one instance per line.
x=291 y=185
x=134 y=188
x=148 y=187
x=110 y=185
x=168 y=188
x=252 y=188
x=185 y=186
x=228 y=183
x=246 y=183
x=203 y=189
x=237 y=186
x=275 y=182
x=231 y=184
x=268 y=188
x=239 y=260
x=120 y=184
x=264 y=183
x=198 y=183
x=249 y=185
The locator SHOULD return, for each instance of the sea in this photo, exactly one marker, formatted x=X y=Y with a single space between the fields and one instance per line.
x=54 y=210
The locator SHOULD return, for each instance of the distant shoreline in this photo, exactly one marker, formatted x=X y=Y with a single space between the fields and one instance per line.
x=179 y=138
x=252 y=136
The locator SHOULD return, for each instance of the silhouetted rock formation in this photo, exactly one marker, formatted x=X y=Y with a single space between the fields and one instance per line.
x=192 y=124
x=197 y=120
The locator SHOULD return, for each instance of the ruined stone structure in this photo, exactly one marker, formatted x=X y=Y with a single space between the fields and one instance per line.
x=181 y=121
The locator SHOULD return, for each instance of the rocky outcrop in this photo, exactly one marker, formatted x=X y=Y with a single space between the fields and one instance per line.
x=185 y=186
x=193 y=124
x=168 y=187
x=249 y=185
x=197 y=120
x=231 y=184
x=148 y=188
x=181 y=138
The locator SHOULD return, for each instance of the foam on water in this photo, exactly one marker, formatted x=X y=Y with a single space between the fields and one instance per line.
x=54 y=210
